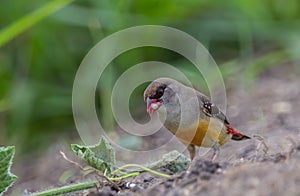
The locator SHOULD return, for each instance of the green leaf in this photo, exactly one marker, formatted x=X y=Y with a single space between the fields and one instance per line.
x=172 y=161
x=31 y=19
x=100 y=156
x=6 y=177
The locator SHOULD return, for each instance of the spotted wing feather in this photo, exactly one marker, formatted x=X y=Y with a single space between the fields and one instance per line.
x=211 y=110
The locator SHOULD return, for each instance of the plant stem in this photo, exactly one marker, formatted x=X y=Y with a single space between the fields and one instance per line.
x=125 y=176
x=66 y=189
x=143 y=168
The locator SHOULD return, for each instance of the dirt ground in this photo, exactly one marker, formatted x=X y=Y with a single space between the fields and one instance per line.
x=269 y=108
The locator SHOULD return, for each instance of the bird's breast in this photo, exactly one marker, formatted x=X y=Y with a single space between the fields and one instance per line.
x=203 y=133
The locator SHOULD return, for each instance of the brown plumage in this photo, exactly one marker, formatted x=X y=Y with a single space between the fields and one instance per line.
x=189 y=115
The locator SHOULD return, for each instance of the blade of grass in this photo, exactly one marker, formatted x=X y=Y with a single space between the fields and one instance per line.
x=253 y=68
x=19 y=26
x=262 y=63
x=66 y=189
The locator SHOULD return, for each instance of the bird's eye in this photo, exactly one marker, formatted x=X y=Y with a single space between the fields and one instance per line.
x=159 y=92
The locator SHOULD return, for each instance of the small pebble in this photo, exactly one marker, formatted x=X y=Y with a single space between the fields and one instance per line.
x=281 y=107
x=132 y=185
x=148 y=179
x=168 y=184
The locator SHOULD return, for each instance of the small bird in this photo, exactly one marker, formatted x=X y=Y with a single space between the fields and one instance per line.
x=189 y=115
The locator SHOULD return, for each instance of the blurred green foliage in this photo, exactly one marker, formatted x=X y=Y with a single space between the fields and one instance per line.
x=38 y=65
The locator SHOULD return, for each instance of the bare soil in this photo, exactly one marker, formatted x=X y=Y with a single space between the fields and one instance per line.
x=268 y=164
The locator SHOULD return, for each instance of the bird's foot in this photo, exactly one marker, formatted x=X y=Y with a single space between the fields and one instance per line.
x=216 y=150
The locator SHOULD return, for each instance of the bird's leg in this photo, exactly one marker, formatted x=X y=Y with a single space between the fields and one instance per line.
x=216 y=150
x=192 y=150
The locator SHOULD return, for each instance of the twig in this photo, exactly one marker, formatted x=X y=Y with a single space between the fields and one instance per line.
x=293 y=146
x=262 y=142
x=75 y=163
x=85 y=169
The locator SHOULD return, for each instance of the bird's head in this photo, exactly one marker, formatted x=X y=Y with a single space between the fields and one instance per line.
x=158 y=93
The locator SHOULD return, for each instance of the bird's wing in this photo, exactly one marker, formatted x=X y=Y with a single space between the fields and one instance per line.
x=210 y=109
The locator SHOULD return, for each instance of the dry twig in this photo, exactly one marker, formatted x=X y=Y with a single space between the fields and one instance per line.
x=86 y=169
x=262 y=143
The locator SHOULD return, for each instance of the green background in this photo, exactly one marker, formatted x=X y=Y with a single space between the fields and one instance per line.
x=40 y=52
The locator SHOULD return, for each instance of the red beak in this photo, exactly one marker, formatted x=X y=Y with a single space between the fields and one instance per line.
x=150 y=108
x=149 y=102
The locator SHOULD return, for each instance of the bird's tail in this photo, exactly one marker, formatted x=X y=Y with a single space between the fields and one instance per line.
x=236 y=135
